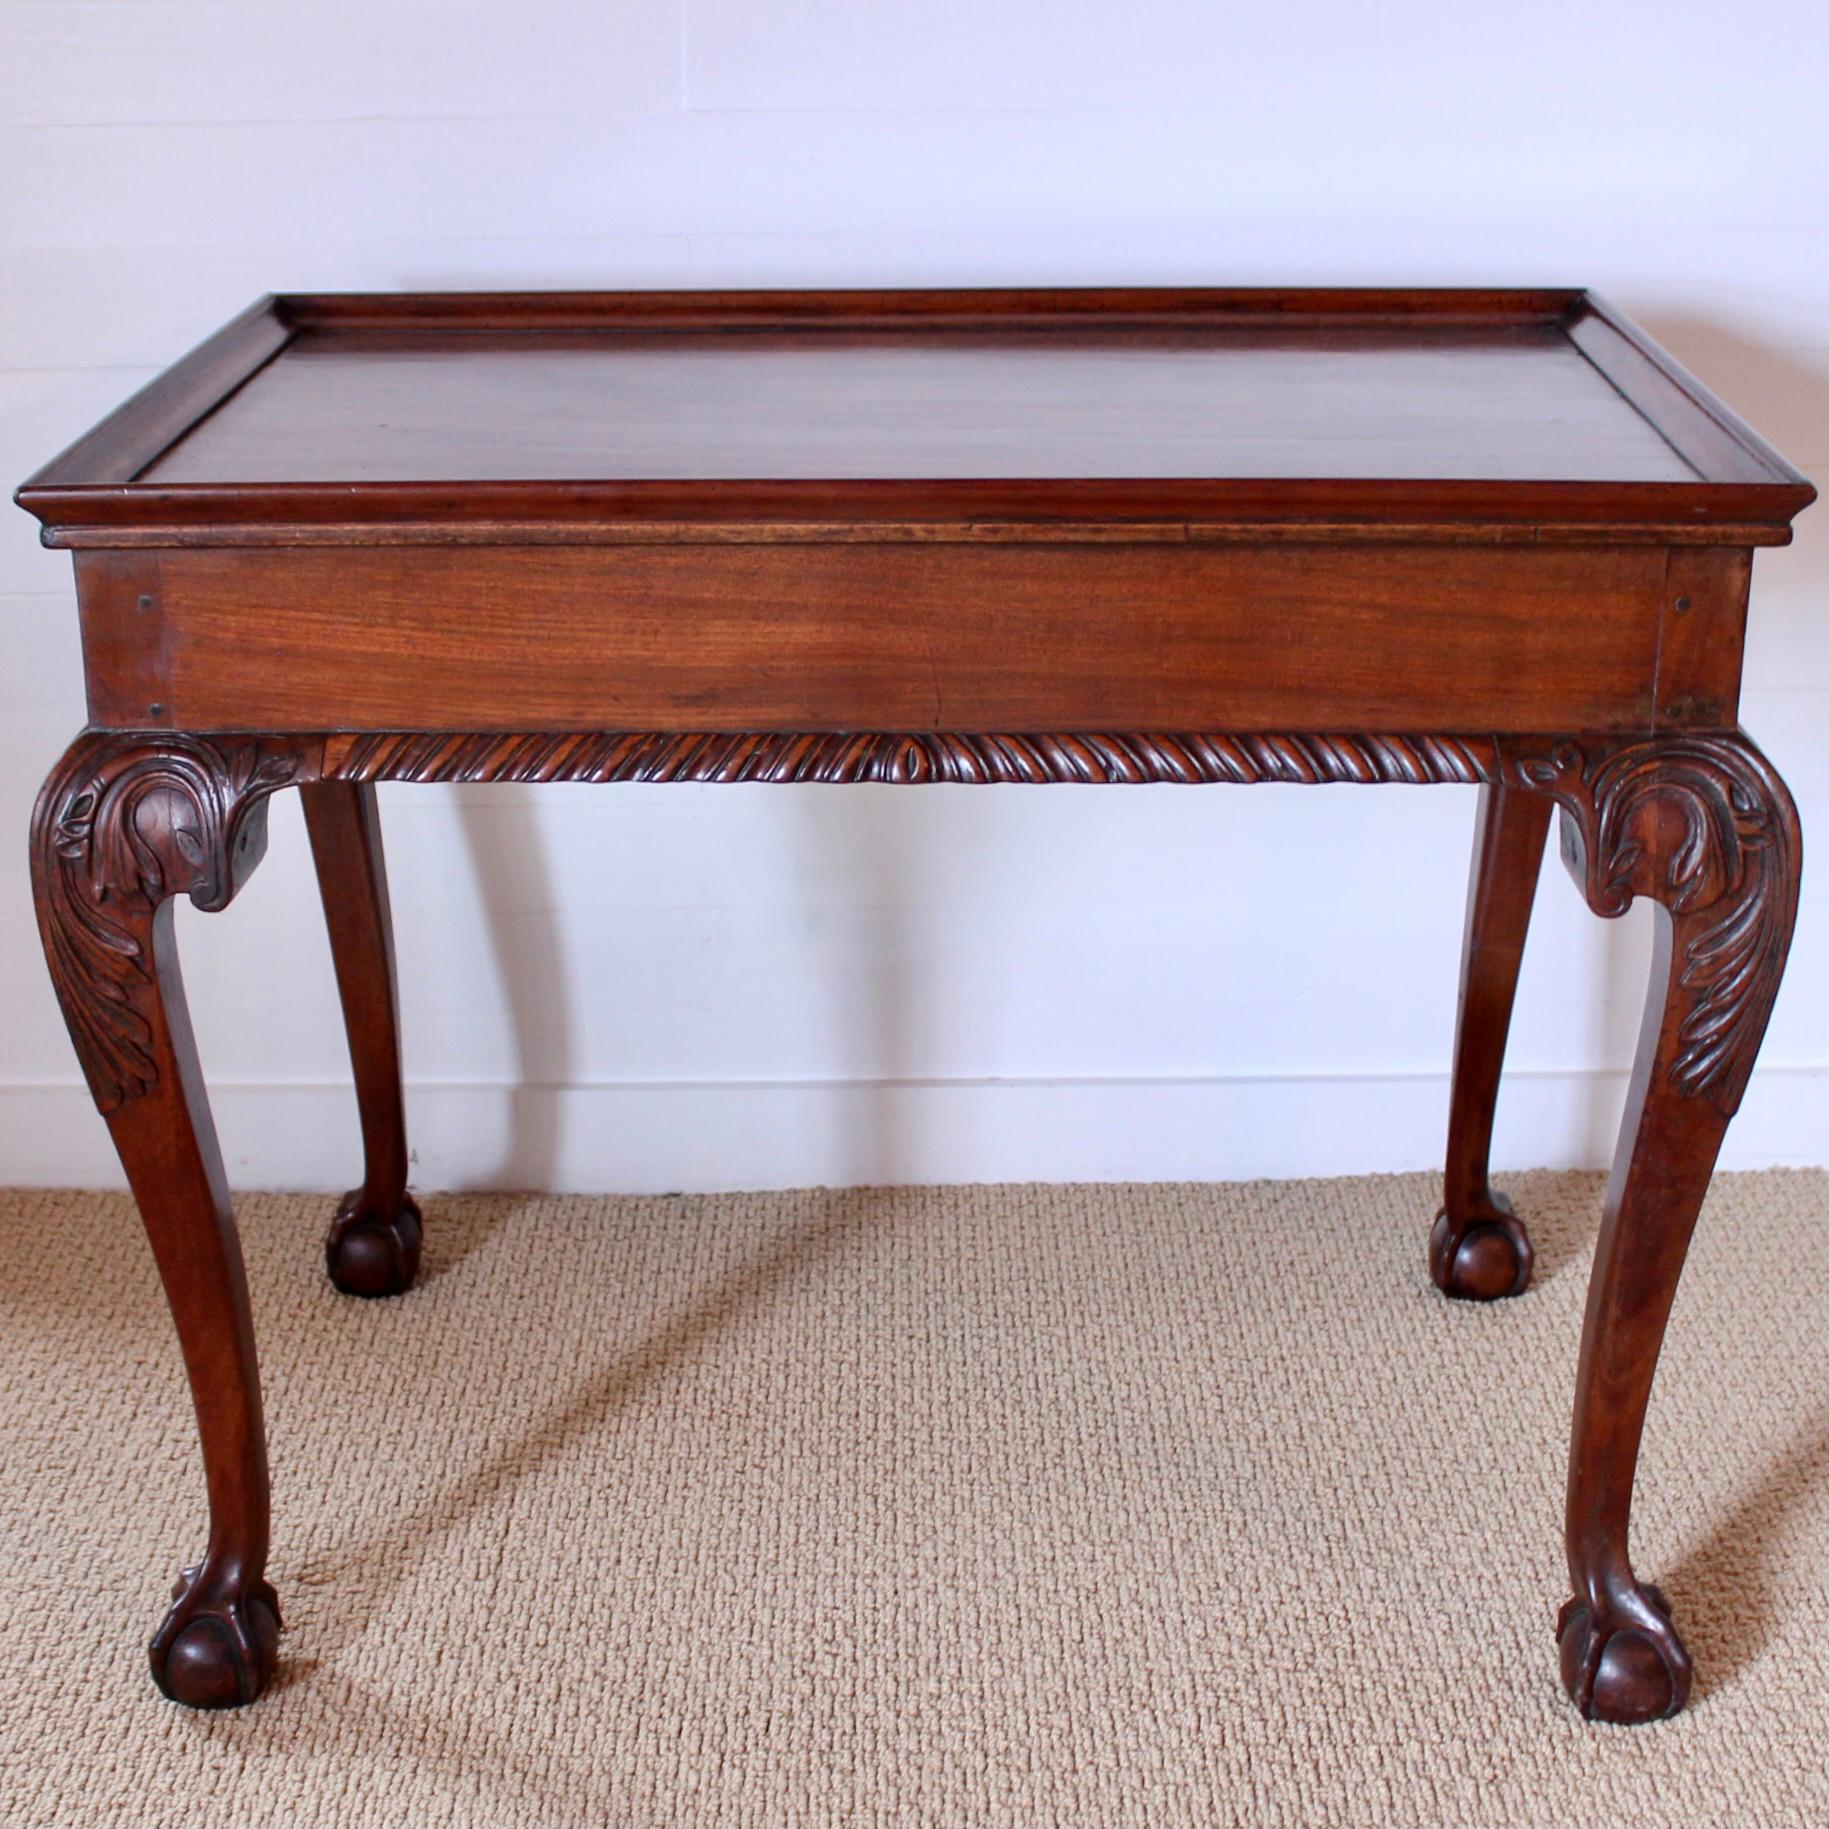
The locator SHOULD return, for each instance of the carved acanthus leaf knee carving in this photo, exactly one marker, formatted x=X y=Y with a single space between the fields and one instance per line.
x=1703 y=824
x=124 y=823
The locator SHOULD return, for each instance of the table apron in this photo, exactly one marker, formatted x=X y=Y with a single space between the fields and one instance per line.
x=905 y=637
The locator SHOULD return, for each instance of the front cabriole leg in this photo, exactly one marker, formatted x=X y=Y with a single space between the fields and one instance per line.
x=125 y=823
x=1703 y=826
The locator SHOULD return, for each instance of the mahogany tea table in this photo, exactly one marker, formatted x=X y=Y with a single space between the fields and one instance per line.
x=1485 y=537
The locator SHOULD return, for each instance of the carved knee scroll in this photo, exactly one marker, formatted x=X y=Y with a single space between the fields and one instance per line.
x=123 y=824
x=1703 y=825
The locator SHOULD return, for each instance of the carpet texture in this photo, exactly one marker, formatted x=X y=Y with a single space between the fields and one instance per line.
x=1136 y=1505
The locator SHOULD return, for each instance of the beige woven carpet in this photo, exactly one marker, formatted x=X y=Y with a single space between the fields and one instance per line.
x=1012 y=1505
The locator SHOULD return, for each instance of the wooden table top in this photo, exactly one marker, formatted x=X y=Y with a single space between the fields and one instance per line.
x=1263 y=401
x=950 y=407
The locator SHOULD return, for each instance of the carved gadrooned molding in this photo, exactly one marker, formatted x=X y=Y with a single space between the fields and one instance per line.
x=923 y=757
x=1700 y=823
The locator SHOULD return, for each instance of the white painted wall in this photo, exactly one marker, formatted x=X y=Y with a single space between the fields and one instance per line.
x=687 y=988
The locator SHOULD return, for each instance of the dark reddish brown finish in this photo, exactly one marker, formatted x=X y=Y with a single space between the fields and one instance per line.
x=1738 y=480
x=1702 y=637
x=895 y=636
x=373 y=1245
x=1706 y=829
x=1120 y=402
x=120 y=828
x=343 y=542
x=1479 y=1248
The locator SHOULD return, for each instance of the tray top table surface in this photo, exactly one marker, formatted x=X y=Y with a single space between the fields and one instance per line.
x=950 y=406
x=1454 y=401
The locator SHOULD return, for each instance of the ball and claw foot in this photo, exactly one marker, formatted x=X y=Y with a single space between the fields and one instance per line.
x=1482 y=1259
x=216 y=1650
x=370 y=1253
x=1635 y=1669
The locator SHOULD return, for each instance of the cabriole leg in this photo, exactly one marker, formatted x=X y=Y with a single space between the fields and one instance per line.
x=373 y=1245
x=122 y=826
x=1705 y=827
x=1479 y=1249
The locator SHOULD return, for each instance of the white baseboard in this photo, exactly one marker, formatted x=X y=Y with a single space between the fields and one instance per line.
x=703 y=1137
